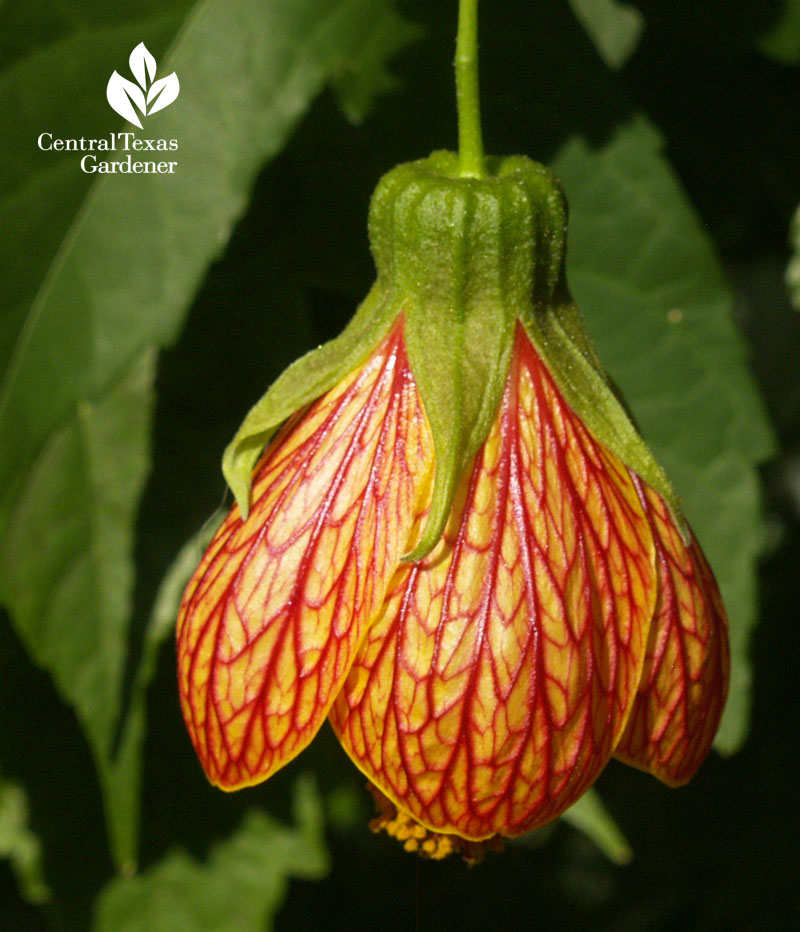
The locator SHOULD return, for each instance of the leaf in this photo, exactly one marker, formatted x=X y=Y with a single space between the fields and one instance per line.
x=19 y=844
x=614 y=27
x=359 y=80
x=782 y=40
x=591 y=817
x=44 y=90
x=67 y=572
x=655 y=301
x=793 y=268
x=76 y=401
x=124 y=770
x=240 y=887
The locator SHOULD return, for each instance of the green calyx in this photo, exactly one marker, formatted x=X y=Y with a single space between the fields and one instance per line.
x=462 y=258
x=466 y=258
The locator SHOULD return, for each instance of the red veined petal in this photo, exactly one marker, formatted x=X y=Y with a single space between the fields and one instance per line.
x=685 y=678
x=271 y=620
x=494 y=686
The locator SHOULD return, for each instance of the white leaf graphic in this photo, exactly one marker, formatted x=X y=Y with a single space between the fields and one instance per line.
x=120 y=92
x=141 y=62
x=162 y=93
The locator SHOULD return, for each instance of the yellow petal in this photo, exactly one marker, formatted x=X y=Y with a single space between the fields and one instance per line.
x=271 y=620
x=685 y=679
x=499 y=677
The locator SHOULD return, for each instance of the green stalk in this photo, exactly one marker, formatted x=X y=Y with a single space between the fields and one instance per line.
x=470 y=140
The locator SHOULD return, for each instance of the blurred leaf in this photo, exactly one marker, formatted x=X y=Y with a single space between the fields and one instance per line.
x=57 y=86
x=614 y=27
x=655 y=301
x=19 y=844
x=591 y=817
x=793 y=269
x=239 y=888
x=67 y=572
x=782 y=41
x=358 y=80
x=160 y=626
x=76 y=401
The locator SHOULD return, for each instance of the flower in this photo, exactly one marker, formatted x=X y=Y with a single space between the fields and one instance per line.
x=560 y=620
x=483 y=628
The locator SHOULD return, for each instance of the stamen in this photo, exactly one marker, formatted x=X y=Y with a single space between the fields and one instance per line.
x=419 y=840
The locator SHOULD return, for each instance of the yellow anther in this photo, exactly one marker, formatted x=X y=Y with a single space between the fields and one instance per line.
x=416 y=838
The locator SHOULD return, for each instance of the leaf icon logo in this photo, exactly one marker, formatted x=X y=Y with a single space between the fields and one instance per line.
x=135 y=100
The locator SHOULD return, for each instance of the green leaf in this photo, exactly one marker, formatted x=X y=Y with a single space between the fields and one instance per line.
x=614 y=27
x=240 y=886
x=75 y=405
x=358 y=80
x=793 y=268
x=67 y=572
x=591 y=817
x=656 y=303
x=19 y=844
x=124 y=770
x=42 y=90
x=782 y=41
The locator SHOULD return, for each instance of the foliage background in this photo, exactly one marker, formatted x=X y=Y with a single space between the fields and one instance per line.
x=141 y=316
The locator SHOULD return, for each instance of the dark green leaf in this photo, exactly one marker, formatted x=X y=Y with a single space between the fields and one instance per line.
x=656 y=303
x=122 y=781
x=57 y=86
x=239 y=888
x=67 y=572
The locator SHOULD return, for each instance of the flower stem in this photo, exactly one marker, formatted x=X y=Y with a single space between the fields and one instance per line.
x=470 y=140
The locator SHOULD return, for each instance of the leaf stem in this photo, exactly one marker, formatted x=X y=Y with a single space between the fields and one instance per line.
x=470 y=140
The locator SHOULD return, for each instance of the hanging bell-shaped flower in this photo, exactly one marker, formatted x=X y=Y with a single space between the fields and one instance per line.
x=458 y=549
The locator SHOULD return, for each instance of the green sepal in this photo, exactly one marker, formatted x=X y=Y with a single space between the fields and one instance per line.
x=558 y=334
x=461 y=384
x=304 y=381
x=466 y=257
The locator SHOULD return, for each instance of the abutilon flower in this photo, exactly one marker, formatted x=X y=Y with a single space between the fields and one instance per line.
x=457 y=549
